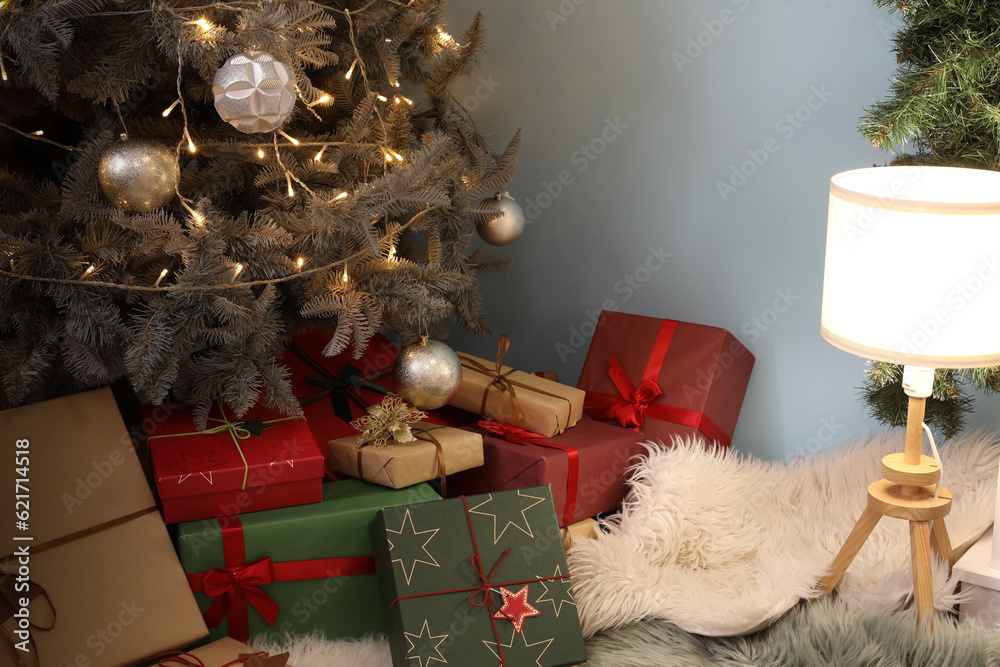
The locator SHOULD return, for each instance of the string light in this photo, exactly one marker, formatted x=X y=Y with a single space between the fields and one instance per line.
x=322 y=100
x=191 y=146
x=343 y=278
x=166 y=112
x=294 y=141
x=383 y=98
x=396 y=84
x=163 y=274
x=351 y=70
x=288 y=179
x=90 y=269
x=392 y=254
x=239 y=269
x=388 y=157
x=397 y=155
x=204 y=24
x=299 y=262
x=396 y=99
x=387 y=39
x=260 y=153
x=199 y=219
x=38 y=133
x=3 y=70
x=342 y=195
x=319 y=155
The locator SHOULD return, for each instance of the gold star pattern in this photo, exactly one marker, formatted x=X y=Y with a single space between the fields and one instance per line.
x=424 y=647
x=557 y=591
x=510 y=516
x=407 y=542
x=519 y=652
x=196 y=464
x=283 y=454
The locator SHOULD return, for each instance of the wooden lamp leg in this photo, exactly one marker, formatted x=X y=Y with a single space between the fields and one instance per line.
x=920 y=559
x=862 y=529
x=941 y=543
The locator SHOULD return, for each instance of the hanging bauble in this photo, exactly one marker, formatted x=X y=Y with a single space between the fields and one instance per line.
x=506 y=228
x=139 y=175
x=254 y=92
x=427 y=374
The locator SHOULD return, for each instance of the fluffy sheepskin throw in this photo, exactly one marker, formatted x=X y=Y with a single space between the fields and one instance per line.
x=825 y=632
x=722 y=545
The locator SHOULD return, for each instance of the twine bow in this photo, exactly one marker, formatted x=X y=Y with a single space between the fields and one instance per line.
x=499 y=378
x=486 y=582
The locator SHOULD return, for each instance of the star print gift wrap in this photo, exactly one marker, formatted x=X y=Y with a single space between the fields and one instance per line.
x=666 y=378
x=477 y=580
x=261 y=461
x=292 y=570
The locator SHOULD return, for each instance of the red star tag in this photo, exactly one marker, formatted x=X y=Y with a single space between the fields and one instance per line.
x=516 y=608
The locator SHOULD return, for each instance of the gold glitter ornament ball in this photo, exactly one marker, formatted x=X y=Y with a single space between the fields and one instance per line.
x=506 y=228
x=427 y=374
x=254 y=92
x=139 y=175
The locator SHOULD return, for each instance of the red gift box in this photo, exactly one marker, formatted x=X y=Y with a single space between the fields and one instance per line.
x=262 y=461
x=585 y=465
x=666 y=377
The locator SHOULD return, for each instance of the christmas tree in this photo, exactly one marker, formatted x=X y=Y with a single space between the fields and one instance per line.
x=184 y=185
x=946 y=102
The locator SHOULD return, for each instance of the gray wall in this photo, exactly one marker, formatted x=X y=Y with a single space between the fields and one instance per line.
x=675 y=99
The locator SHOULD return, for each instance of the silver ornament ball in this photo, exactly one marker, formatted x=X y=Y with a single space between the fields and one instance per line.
x=254 y=92
x=506 y=228
x=139 y=175
x=427 y=373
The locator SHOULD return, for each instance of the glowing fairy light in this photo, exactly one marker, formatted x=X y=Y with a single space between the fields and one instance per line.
x=288 y=179
x=163 y=274
x=351 y=70
x=342 y=195
x=343 y=278
x=299 y=262
x=260 y=153
x=90 y=269
x=294 y=141
x=397 y=155
x=38 y=133
x=383 y=98
x=166 y=112
x=319 y=155
x=392 y=254
x=238 y=271
x=204 y=24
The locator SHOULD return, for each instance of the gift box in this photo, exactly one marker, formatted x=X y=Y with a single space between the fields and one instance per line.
x=503 y=394
x=90 y=564
x=261 y=461
x=436 y=452
x=581 y=530
x=226 y=652
x=585 y=466
x=475 y=580
x=294 y=569
x=666 y=377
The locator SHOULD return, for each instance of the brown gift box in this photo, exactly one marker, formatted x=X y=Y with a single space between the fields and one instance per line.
x=585 y=529
x=94 y=540
x=216 y=654
x=547 y=407
x=398 y=465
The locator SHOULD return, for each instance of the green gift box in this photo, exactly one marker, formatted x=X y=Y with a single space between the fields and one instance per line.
x=477 y=580
x=293 y=569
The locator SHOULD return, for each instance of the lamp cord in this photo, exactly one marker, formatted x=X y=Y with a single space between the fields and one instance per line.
x=937 y=457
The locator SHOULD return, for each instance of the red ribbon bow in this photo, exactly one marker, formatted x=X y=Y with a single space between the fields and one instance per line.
x=233 y=588
x=630 y=408
x=512 y=433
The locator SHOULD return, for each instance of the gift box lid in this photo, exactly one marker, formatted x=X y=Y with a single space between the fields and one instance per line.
x=231 y=454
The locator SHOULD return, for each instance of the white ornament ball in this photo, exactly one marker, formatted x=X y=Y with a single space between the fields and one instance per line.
x=254 y=92
x=506 y=228
x=139 y=175
x=427 y=374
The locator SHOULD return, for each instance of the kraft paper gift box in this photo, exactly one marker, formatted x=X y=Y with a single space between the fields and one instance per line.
x=222 y=653
x=261 y=461
x=581 y=530
x=92 y=542
x=665 y=377
x=477 y=580
x=438 y=451
x=294 y=569
x=586 y=466
x=504 y=394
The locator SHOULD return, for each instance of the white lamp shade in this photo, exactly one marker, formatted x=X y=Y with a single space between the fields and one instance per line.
x=912 y=272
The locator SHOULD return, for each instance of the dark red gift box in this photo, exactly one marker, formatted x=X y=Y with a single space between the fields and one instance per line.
x=585 y=465
x=666 y=377
x=262 y=461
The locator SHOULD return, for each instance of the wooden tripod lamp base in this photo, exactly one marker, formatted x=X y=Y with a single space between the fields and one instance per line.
x=907 y=492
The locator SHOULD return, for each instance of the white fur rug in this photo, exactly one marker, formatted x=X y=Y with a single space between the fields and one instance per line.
x=721 y=545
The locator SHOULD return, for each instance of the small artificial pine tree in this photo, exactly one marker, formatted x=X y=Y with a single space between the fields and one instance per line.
x=355 y=213
x=946 y=100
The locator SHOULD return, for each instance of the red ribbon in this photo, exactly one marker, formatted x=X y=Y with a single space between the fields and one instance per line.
x=485 y=583
x=236 y=587
x=634 y=404
x=519 y=436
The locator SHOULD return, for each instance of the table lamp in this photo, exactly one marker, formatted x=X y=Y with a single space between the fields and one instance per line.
x=909 y=255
